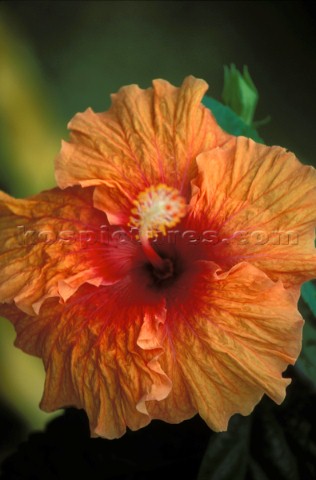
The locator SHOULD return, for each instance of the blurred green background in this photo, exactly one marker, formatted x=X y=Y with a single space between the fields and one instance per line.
x=66 y=56
x=58 y=58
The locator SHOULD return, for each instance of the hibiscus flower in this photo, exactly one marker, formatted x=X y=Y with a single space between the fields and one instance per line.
x=161 y=278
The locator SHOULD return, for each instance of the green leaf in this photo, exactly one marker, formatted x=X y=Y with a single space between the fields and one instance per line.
x=308 y=293
x=307 y=360
x=229 y=121
x=276 y=457
x=240 y=93
x=256 y=471
x=226 y=455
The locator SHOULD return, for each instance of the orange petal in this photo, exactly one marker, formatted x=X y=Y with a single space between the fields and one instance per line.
x=147 y=137
x=96 y=357
x=150 y=339
x=41 y=254
x=224 y=352
x=261 y=202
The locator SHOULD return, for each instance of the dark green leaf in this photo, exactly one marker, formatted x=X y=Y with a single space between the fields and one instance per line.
x=277 y=459
x=309 y=350
x=226 y=456
x=308 y=292
x=256 y=471
x=307 y=360
x=229 y=121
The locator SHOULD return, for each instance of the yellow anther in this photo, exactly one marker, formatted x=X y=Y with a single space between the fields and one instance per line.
x=157 y=208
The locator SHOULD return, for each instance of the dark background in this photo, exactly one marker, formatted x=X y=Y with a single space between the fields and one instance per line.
x=86 y=50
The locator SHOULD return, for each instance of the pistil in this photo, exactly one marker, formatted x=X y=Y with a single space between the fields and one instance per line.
x=157 y=208
x=151 y=254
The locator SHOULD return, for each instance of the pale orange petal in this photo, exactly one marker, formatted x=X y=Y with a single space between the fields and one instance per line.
x=42 y=250
x=261 y=202
x=226 y=350
x=147 y=137
x=149 y=339
x=96 y=357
